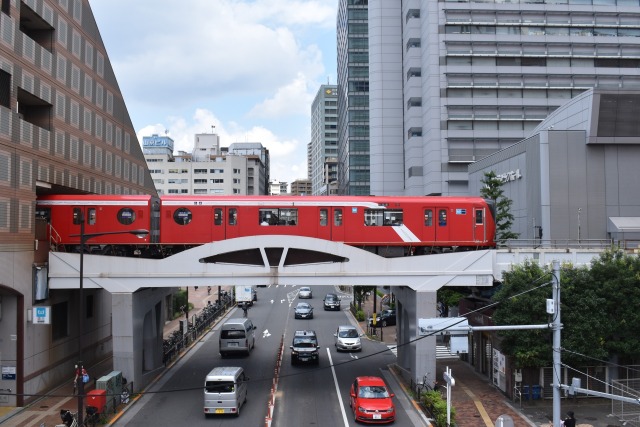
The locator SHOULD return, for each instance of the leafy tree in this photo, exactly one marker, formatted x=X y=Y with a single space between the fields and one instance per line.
x=589 y=299
x=492 y=190
x=359 y=293
x=522 y=301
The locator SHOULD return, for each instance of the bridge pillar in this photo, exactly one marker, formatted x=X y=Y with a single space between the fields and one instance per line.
x=415 y=357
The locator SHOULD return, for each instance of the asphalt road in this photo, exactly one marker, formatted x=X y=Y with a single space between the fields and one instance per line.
x=315 y=395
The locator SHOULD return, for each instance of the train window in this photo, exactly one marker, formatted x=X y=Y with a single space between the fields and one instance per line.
x=78 y=218
x=337 y=217
x=479 y=216
x=392 y=217
x=217 y=216
x=442 y=217
x=233 y=216
x=91 y=220
x=268 y=216
x=125 y=216
x=288 y=216
x=428 y=217
x=373 y=216
x=324 y=215
x=182 y=216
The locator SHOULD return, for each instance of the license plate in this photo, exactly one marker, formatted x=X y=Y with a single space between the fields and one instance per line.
x=377 y=416
x=233 y=344
x=219 y=411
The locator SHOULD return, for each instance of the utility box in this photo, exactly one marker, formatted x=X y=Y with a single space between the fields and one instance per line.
x=97 y=398
x=112 y=384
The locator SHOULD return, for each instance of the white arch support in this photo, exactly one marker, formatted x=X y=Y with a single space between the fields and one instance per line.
x=263 y=260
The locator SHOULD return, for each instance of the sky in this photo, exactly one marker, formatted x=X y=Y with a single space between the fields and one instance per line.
x=247 y=70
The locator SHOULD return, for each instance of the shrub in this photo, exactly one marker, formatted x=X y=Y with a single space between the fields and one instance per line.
x=360 y=315
x=438 y=407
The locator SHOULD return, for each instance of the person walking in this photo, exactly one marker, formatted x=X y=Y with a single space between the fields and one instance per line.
x=570 y=421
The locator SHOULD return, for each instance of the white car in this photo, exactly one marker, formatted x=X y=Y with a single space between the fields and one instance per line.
x=348 y=339
x=305 y=292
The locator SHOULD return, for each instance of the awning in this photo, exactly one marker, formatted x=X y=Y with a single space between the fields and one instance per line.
x=623 y=224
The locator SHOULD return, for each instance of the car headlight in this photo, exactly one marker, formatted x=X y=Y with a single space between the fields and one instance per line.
x=361 y=409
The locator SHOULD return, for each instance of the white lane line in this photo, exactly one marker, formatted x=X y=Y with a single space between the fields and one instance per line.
x=335 y=381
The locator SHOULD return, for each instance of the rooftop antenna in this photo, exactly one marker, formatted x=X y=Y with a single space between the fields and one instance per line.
x=213 y=129
x=166 y=131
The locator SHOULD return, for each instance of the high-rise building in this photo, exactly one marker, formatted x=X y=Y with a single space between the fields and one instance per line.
x=64 y=128
x=353 y=97
x=452 y=82
x=241 y=169
x=324 y=138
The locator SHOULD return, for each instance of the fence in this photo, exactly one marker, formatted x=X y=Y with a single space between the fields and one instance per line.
x=173 y=346
x=629 y=413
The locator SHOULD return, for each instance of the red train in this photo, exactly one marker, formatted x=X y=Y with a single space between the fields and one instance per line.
x=391 y=226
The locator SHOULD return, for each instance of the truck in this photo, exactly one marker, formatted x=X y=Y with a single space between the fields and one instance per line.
x=244 y=294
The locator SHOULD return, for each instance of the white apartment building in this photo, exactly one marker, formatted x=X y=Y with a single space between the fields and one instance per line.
x=240 y=169
x=278 y=188
x=452 y=82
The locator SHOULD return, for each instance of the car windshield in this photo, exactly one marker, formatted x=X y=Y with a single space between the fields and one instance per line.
x=331 y=297
x=302 y=307
x=304 y=342
x=305 y=289
x=373 y=392
x=348 y=333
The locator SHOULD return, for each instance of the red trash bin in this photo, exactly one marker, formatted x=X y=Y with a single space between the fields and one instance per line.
x=97 y=398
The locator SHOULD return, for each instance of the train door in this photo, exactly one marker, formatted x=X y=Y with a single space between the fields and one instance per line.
x=324 y=224
x=218 y=226
x=429 y=225
x=337 y=228
x=479 y=229
x=442 y=225
x=232 y=222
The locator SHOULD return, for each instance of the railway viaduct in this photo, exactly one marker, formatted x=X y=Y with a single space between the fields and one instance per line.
x=139 y=287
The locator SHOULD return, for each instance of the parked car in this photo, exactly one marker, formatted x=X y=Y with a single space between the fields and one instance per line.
x=305 y=292
x=348 y=338
x=371 y=401
x=303 y=311
x=331 y=302
x=304 y=347
x=384 y=318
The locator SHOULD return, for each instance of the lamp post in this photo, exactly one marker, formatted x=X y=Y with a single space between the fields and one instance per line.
x=83 y=240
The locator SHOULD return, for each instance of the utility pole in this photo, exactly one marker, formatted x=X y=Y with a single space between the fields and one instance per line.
x=556 y=327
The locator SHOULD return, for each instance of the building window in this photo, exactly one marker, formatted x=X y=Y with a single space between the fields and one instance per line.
x=5 y=88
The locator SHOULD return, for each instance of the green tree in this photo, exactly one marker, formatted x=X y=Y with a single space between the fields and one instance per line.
x=492 y=190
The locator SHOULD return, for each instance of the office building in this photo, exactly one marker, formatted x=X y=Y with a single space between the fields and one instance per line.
x=353 y=97
x=242 y=168
x=452 y=82
x=324 y=137
x=64 y=128
x=278 y=188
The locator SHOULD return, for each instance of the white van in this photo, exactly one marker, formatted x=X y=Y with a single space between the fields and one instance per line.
x=225 y=391
x=237 y=336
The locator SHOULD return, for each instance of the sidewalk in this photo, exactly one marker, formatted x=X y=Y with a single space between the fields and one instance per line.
x=46 y=411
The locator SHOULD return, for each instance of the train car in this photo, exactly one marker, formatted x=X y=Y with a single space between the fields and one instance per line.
x=108 y=221
x=416 y=225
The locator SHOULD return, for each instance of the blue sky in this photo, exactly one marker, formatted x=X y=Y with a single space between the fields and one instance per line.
x=249 y=68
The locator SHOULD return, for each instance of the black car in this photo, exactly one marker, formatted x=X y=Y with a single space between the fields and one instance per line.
x=384 y=318
x=331 y=302
x=304 y=348
x=303 y=311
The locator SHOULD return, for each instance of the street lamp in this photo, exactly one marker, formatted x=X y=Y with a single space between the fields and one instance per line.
x=83 y=240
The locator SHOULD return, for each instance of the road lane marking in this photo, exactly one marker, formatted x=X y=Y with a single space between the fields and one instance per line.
x=335 y=381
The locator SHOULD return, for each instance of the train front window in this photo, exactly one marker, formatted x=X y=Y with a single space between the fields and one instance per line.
x=126 y=216
x=182 y=216
x=479 y=217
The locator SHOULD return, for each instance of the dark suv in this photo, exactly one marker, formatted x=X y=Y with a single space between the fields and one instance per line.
x=304 y=347
x=384 y=318
x=331 y=302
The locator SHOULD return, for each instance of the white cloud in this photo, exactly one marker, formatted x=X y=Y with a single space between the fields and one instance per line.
x=249 y=68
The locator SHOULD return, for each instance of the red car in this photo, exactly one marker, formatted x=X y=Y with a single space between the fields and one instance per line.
x=371 y=401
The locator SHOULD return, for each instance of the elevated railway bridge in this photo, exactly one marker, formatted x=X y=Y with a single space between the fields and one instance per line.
x=139 y=287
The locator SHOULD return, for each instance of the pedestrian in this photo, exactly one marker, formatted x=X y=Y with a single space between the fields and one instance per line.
x=208 y=290
x=570 y=421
